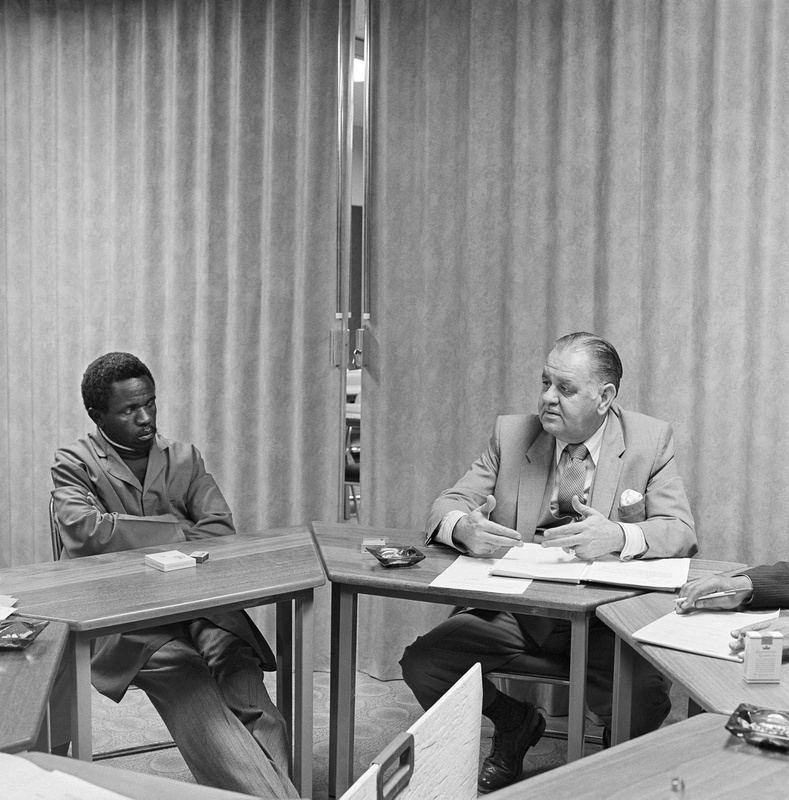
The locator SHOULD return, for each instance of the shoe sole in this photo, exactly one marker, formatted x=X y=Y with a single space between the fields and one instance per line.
x=538 y=732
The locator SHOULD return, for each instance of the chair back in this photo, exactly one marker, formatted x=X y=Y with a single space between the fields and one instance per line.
x=54 y=532
x=438 y=756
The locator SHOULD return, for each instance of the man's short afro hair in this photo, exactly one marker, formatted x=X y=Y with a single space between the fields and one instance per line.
x=106 y=370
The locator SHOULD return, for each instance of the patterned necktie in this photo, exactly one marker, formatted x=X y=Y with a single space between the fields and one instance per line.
x=573 y=479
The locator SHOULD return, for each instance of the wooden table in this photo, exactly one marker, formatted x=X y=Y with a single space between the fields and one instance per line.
x=352 y=573
x=26 y=680
x=699 y=750
x=117 y=592
x=713 y=684
x=136 y=785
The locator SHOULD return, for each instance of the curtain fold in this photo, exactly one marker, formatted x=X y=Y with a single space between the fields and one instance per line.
x=168 y=180
x=540 y=167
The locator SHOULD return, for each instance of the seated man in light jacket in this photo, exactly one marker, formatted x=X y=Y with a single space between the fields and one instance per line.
x=584 y=475
x=125 y=486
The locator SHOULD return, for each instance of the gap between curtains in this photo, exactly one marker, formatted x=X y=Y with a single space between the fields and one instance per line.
x=543 y=167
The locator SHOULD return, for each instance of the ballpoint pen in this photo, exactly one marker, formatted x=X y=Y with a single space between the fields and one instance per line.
x=712 y=595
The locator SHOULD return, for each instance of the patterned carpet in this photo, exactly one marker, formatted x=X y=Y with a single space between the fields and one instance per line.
x=383 y=709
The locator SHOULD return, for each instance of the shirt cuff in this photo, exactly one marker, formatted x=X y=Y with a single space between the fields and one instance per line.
x=444 y=532
x=635 y=542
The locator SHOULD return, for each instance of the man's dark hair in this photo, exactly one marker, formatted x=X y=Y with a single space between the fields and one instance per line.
x=606 y=365
x=106 y=370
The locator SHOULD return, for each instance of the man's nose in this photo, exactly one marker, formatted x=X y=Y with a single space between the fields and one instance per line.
x=144 y=416
x=550 y=396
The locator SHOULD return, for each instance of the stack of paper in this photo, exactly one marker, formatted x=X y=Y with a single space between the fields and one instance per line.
x=707 y=633
x=553 y=564
x=169 y=560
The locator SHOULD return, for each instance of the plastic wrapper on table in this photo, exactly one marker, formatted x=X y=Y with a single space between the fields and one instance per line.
x=765 y=727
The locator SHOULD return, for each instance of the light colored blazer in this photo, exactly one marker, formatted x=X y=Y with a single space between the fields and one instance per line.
x=180 y=501
x=637 y=453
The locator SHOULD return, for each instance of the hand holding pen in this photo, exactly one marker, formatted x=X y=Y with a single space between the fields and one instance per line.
x=718 y=592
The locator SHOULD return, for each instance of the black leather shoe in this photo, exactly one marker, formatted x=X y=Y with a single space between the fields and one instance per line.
x=504 y=765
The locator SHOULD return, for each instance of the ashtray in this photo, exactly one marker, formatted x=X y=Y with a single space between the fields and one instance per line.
x=765 y=727
x=395 y=555
x=17 y=634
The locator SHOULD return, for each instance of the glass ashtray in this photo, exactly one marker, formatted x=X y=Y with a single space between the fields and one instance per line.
x=764 y=727
x=17 y=634
x=394 y=555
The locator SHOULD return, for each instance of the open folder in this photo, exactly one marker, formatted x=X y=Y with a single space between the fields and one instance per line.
x=553 y=564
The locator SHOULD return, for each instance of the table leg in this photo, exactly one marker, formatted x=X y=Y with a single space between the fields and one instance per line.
x=624 y=660
x=81 y=730
x=302 y=742
x=576 y=722
x=285 y=665
x=344 y=609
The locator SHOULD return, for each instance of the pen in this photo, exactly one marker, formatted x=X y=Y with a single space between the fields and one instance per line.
x=711 y=596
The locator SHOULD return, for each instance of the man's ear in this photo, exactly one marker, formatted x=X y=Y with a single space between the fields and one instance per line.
x=97 y=415
x=607 y=395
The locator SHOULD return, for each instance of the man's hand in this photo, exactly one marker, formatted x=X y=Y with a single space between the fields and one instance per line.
x=594 y=535
x=691 y=592
x=781 y=624
x=483 y=538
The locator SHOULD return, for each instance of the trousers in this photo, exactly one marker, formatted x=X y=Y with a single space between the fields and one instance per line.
x=433 y=662
x=207 y=686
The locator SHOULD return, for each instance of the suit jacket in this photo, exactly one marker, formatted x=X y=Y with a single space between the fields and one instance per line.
x=637 y=453
x=101 y=507
x=770 y=585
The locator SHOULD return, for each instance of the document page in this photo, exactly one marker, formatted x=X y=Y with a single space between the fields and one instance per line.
x=650 y=573
x=474 y=574
x=707 y=633
x=543 y=563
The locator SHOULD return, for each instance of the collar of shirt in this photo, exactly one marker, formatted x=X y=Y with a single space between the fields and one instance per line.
x=593 y=444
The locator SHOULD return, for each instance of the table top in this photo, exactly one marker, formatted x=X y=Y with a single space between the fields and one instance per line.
x=136 y=785
x=340 y=549
x=714 y=683
x=118 y=590
x=711 y=762
x=26 y=680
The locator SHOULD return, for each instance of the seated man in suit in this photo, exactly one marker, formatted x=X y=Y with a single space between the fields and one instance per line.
x=756 y=588
x=124 y=486
x=584 y=475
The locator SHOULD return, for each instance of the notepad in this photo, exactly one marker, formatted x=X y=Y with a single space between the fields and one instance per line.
x=169 y=560
x=553 y=564
x=706 y=633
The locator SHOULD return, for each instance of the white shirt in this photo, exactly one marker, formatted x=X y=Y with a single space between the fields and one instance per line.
x=635 y=543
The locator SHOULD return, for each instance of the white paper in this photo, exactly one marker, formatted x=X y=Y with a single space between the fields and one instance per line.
x=707 y=633
x=553 y=564
x=22 y=780
x=6 y=612
x=546 y=563
x=474 y=574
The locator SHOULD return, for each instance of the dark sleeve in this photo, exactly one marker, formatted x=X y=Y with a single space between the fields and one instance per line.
x=770 y=585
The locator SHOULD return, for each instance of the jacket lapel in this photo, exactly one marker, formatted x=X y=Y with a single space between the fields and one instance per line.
x=112 y=462
x=534 y=472
x=156 y=462
x=609 y=465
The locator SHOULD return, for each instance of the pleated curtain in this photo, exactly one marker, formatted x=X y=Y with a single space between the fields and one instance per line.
x=544 y=166
x=168 y=182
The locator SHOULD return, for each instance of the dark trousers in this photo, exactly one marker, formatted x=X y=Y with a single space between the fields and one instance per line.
x=495 y=639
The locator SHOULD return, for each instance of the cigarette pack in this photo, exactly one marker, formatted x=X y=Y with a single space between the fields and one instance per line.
x=169 y=560
x=200 y=556
x=763 y=650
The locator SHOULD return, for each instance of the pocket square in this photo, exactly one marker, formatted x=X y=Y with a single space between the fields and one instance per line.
x=630 y=497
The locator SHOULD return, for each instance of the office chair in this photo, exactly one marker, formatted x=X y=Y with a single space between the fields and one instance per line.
x=539 y=670
x=353 y=455
x=57 y=549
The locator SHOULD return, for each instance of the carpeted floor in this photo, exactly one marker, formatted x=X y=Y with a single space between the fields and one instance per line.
x=383 y=709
